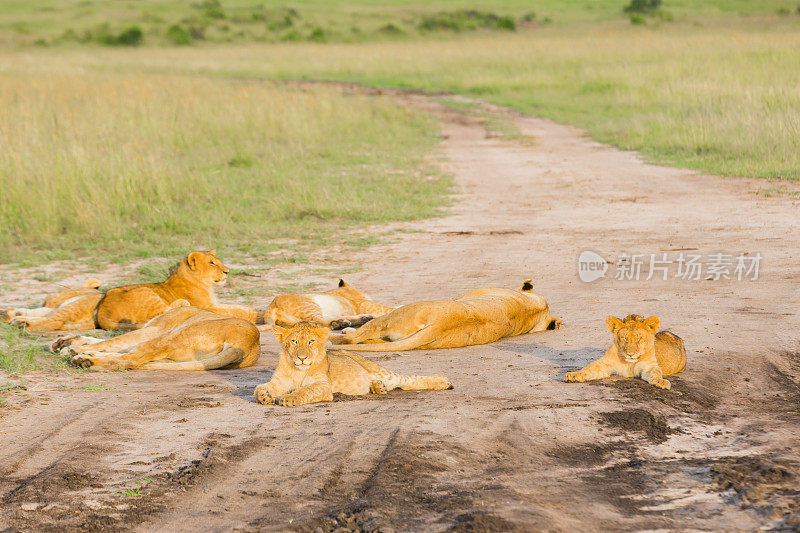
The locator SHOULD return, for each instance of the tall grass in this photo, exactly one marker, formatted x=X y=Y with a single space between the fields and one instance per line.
x=122 y=163
x=723 y=96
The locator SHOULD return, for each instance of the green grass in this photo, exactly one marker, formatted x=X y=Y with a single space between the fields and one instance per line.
x=181 y=23
x=22 y=352
x=122 y=151
x=717 y=93
x=100 y=387
x=134 y=164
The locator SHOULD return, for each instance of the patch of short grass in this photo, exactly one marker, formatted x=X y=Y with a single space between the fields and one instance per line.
x=96 y=387
x=22 y=352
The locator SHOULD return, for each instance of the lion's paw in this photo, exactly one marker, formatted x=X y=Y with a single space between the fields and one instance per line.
x=340 y=324
x=58 y=345
x=360 y=321
x=573 y=377
x=378 y=387
x=81 y=362
x=21 y=321
x=662 y=384
x=263 y=396
x=291 y=400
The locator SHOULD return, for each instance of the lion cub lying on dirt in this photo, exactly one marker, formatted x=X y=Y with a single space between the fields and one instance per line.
x=193 y=280
x=342 y=307
x=183 y=338
x=477 y=317
x=637 y=352
x=307 y=373
x=71 y=309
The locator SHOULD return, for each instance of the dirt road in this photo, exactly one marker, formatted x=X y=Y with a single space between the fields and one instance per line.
x=512 y=447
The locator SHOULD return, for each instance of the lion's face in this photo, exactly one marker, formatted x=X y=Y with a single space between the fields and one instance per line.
x=208 y=267
x=634 y=336
x=303 y=344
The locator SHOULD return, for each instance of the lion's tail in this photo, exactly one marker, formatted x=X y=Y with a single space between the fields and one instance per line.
x=424 y=383
x=412 y=342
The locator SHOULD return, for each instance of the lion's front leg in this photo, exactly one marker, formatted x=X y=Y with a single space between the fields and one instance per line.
x=268 y=393
x=595 y=370
x=318 y=392
x=104 y=361
x=654 y=376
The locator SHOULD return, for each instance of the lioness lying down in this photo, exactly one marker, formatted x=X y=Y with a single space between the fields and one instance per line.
x=193 y=280
x=307 y=373
x=183 y=338
x=477 y=317
x=637 y=352
x=342 y=307
x=70 y=309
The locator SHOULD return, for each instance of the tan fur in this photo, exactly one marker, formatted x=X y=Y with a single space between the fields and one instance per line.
x=70 y=309
x=192 y=280
x=183 y=338
x=477 y=317
x=308 y=373
x=351 y=308
x=637 y=352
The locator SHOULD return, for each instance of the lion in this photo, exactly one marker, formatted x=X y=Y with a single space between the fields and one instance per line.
x=477 y=317
x=637 y=352
x=70 y=309
x=193 y=279
x=183 y=338
x=308 y=373
x=343 y=307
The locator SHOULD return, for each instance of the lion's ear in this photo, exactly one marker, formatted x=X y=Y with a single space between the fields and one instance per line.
x=280 y=332
x=342 y=283
x=652 y=323
x=527 y=286
x=191 y=260
x=613 y=324
x=213 y=252
x=92 y=283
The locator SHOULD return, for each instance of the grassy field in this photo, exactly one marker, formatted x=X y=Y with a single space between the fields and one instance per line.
x=123 y=151
x=184 y=22
x=153 y=164
x=722 y=97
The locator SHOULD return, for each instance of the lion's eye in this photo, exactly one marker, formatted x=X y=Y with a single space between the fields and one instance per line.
x=294 y=341
x=310 y=342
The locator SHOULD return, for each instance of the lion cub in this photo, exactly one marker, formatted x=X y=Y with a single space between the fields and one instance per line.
x=343 y=307
x=70 y=309
x=307 y=373
x=637 y=352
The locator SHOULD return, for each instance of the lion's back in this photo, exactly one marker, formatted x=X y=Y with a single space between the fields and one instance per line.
x=670 y=352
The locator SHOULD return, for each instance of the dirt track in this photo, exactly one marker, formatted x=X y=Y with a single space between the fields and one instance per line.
x=512 y=447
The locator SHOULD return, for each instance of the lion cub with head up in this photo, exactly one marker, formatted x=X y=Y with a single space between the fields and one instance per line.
x=307 y=373
x=637 y=352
